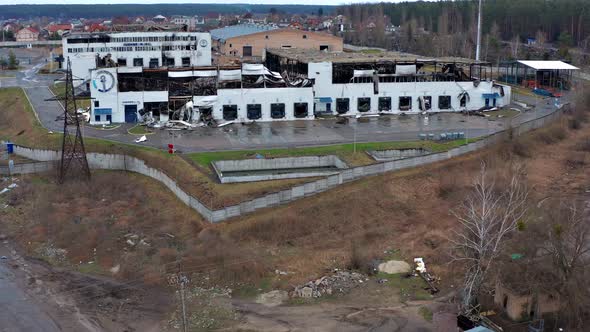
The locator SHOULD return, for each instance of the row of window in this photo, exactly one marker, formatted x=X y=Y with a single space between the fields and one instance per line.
x=155 y=63
x=404 y=103
x=254 y=111
x=152 y=39
x=131 y=49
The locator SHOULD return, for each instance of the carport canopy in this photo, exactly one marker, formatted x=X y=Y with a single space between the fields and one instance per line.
x=547 y=65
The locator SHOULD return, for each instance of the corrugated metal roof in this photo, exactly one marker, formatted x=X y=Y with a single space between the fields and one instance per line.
x=548 y=65
x=223 y=34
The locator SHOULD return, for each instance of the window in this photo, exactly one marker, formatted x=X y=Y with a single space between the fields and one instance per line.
x=154 y=63
x=168 y=62
x=97 y=118
x=405 y=103
x=266 y=37
x=247 y=51
x=364 y=104
x=300 y=110
x=444 y=102
x=138 y=62
x=277 y=111
x=384 y=104
x=230 y=112
x=286 y=46
x=96 y=103
x=186 y=62
x=122 y=62
x=463 y=101
x=230 y=45
x=324 y=47
x=304 y=36
x=342 y=105
x=425 y=103
x=254 y=111
x=109 y=118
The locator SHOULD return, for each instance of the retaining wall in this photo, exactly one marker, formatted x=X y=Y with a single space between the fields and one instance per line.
x=223 y=167
x=122 y=162
x=395 y=154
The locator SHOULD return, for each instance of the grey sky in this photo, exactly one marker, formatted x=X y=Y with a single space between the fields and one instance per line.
x=304 y=2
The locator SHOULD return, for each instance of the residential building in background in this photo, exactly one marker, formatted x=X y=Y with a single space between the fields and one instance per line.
x=27 y=35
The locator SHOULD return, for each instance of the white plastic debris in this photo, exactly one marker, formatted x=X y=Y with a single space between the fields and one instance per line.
x=420 y=266
x=141 y=139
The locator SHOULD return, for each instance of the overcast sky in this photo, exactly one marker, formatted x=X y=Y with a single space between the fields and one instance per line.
x=269 y=2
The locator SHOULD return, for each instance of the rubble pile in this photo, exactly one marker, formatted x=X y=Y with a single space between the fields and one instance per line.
x=339 y=282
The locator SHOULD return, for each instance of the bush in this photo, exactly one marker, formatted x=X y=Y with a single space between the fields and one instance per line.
x=584 y=146
x=551 y=135
x=574 y=124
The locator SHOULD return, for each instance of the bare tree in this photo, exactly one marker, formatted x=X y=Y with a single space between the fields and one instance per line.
x=565 y=238
x=486 y=218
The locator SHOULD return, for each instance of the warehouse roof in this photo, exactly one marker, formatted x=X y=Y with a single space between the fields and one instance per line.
x=548 y=65
x=225 y=33
x=310 y=56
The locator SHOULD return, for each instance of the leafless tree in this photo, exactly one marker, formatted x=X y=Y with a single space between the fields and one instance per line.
x=486 y=218
x=565 y=239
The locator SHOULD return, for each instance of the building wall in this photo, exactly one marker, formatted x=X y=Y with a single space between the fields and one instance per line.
x=323 y=87
x=278 y=39
x=83 y=55
x=518 y=306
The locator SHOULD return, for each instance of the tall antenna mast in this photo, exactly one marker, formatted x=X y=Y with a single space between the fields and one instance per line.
x=478 y=47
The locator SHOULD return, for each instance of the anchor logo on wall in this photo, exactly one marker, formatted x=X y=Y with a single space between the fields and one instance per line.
x=104 y=81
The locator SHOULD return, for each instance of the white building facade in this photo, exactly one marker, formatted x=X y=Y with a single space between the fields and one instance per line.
x=88 y=51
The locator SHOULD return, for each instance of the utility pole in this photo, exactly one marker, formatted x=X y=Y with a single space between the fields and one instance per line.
x=478 y=47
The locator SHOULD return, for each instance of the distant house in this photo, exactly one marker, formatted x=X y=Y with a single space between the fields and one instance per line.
x=296 y=25
x=10 y=27
x=27 y=35
x=60 y=29
x=95 y=27
x=159 y=19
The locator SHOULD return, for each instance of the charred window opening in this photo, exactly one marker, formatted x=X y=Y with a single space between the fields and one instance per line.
x=230 y=112
x=156 y=109
x=155 y=80
x=154 y=63
x=444 y=102
x=121 y=62
x=324 y=47
x=342 y=105
x=167 y=62
x=130 y=82
x=405 y=103
x=205 y=86
x=384 y=104
x=463 y=100
x=97 y=39
x=425 y=103
x=186 y=62
x=254 y=111
x=364 y=104
x=300 y=110
x=138 y=62
x=181 y=86
x=277 y=111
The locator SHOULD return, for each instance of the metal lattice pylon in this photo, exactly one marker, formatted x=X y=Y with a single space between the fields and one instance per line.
x=73 y=162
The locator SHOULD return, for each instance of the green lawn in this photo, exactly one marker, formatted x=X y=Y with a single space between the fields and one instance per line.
x=59 y=89
x=140 y=130
x=344 y=151
x=411 y=288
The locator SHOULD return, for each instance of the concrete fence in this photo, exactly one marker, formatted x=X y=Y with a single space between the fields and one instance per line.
x=28 y=168
x=132 y=164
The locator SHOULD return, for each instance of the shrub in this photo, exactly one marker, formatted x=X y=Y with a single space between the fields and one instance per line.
x=551 y=135
x=575 y=160
x=361 y=259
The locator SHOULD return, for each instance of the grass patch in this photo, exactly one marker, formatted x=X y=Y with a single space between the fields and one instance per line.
x=139 y=130
x=410 y=288
x=344 y=151
x=59 y=89
x=502 y=113
x=426 y=313
x=250 y=291
x=371 y=51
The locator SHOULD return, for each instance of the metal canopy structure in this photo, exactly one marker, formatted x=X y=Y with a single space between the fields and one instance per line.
x=548 y=65
x=537 y=74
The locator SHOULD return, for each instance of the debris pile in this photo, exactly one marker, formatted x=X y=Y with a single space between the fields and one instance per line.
x=340 y=282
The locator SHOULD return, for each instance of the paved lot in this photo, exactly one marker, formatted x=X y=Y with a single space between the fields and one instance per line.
x=277 y=134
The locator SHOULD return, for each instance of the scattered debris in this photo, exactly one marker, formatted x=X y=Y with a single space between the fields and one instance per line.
x=141 y=139
x=421 y=271
x=281 y=273
x=394 y=267
x=340 y=282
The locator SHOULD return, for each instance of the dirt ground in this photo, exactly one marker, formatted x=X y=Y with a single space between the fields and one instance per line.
x=131 y=236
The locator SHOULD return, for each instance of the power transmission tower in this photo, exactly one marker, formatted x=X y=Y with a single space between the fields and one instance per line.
x=73 y=162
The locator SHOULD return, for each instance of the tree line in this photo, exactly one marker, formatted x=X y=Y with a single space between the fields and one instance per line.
x=110 y=10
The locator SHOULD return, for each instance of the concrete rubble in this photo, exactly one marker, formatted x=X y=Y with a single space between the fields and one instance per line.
x=340 y=282
x=394 y=267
